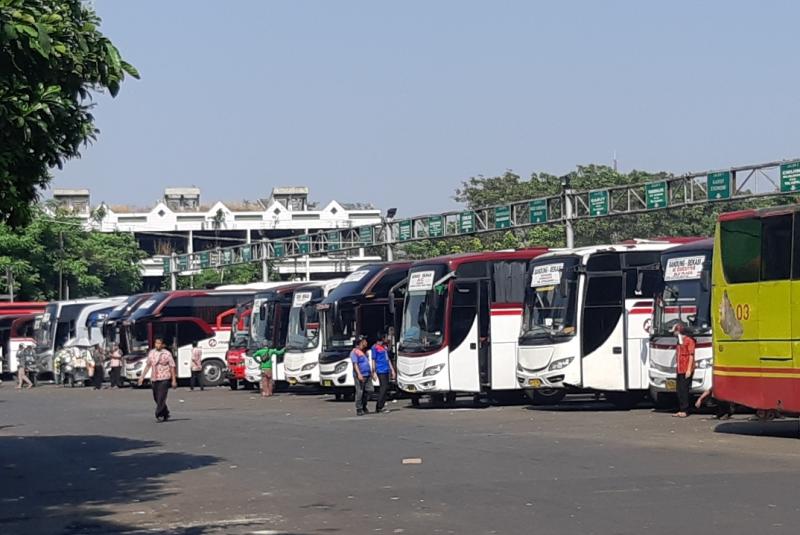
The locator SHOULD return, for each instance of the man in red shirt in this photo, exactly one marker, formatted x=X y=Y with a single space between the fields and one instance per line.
x=163 y=365
x=685 y=368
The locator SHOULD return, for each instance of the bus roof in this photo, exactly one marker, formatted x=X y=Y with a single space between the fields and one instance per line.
x=632 y=245
x=453 y=261
x=706 y=244
x=282 y=288
x=759 y=213
x=360 y=281
x=17 y=308
x=155 y=303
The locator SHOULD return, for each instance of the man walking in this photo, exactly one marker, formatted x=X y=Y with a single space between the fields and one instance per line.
x=163 y=366
x=115 y=366
x=197 y=367
x=98 y=373
x=22 y=363
x=362 y=373
x=382 y=365
x=685 y=369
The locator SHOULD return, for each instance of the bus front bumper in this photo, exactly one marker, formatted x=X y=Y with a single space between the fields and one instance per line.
x=663 y=381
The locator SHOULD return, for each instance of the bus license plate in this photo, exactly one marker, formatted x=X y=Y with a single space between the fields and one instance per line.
x=670 y=385
x=327 y=382
x=535 y=383
x=411 y=388
x=292 y=381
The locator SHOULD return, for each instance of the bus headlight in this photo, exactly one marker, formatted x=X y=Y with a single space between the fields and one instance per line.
x=560 y=364
x=342 y=366
x=309 y=366
x=704 y=364
x=433 y=370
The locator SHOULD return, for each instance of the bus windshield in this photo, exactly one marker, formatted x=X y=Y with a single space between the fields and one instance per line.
x=340 y=326
x=45 y=330
x=135 y=336
x=550 y=301
x=423 y=315
x=262 y=322
x=240 y=337
x=686 y=296
x=303 y=327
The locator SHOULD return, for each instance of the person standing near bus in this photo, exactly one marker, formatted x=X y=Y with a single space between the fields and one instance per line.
x=362 y=372
x=22 y=372
x=160 y=360
x=197 y=367
x=685 y=368
x=115 y=366
x=264 y=357
x=382 y=365
x=97 y=375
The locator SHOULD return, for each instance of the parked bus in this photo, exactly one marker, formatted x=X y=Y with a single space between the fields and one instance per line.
x=182 y=318
x=461 y=323
x=9 y=313
x=685 y=298
x=57 y=324
x=269 y=323
x=756 y=328
x=303 y=337
x=240 y=340
x=587 y=320
x=360 y=305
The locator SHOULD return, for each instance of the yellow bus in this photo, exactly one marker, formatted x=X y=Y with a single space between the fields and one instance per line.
x=756 y=289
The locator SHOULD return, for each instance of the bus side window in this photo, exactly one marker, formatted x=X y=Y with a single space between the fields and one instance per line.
x=465 y=301
x=776 y=247
x=740 y=243
x=602 y=310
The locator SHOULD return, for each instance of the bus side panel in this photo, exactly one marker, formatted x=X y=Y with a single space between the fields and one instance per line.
x=464 y=373
x=638 y=343
x=796 y=346
x=775 y=348
x=504 y=328
x=604 y=368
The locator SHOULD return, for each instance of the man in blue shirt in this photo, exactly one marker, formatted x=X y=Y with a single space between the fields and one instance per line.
x=383 y=368
x=362 y=373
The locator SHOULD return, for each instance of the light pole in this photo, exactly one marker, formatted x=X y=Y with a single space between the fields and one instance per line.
x=387 y=232
x=566 y=196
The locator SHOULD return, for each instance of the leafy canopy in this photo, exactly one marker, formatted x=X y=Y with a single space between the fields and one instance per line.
x=52 y=56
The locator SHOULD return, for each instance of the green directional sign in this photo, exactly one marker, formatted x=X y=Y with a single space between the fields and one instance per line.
x=226 y=256
x=304 y=244
x=790 y=177
x=502 y=217
x=247 y=253
x=183 y=262
x=538 y=211
x=718 y=185
x=598 y=202
x=405 y=230
x=436 y=226
x=655 y=195
x=365 y=235
x=279 y=249
x=167 y=264
x=466 y=222
x=334 y=243
x=205 y=259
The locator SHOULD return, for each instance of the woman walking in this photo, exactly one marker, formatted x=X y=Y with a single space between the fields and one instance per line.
x=115 y=366
x=163 y=365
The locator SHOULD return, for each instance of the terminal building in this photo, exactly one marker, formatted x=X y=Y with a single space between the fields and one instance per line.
x=181 y=223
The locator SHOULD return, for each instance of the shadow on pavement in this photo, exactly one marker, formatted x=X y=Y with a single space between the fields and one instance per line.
x=788 y=428
x=69 y=484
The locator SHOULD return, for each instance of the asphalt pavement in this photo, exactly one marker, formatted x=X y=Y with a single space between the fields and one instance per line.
x=76 y=461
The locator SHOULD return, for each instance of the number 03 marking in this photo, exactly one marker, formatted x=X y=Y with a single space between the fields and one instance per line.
x=743 y=312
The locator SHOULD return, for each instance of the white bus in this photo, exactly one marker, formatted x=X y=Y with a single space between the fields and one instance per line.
x=587 y=321
x=303 y=346
x=686 y=297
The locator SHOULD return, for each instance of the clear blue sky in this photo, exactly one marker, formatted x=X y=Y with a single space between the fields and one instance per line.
x=397 y=102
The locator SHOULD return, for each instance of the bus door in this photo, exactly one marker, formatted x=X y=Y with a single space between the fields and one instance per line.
x=603 y=332
x=465 y=340
x=179 y=334
x=643 y=279
x=507 y=297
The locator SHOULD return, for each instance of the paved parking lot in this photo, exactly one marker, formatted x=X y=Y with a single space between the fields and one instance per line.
x=85 y=461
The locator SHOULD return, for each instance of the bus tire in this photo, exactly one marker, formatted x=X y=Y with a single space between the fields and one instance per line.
x=415 y=401
x=233 y=383
x=450 y=398
x=213 y=373
x=338 y=396
x=623 y=401
x=546 y=396
x=663 y=401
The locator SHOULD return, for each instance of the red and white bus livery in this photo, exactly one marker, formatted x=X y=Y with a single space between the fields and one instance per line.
x=237 y=348
x=461 y=324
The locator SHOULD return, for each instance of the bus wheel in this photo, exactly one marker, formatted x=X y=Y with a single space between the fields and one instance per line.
x=213 y=373
x=338 y=396
x=450 y=398
x=233 y=383
x=546 y=396
x=663 y=401
x=415 y=401
x=437 y=400
x=623 y=401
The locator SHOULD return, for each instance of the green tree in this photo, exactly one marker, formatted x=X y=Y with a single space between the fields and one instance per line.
x=211 y=277
x=52 y=57
x=57 y=247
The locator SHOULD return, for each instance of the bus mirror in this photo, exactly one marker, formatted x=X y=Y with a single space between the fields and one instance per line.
x=639 y=282
x=705 y=280
x=262 y=312
x=391 y=303
x=562 y=286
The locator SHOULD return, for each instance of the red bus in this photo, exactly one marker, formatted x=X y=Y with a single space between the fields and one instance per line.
x=240 y=340
x=9 y=313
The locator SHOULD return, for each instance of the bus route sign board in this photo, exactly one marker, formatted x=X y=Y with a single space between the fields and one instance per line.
x=304 y=244
x=435 y=226
x=656 y=195
x=718 y=185
x=502 y=217
x=466 y=222
x=333 y=240
x=365 y=235
x=279 y=249
x=598 y=202
x=538 y=211
x=205 y=260
x=790 y=177
x=405 y=230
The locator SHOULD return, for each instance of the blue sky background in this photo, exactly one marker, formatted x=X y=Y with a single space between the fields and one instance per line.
x=397 y=102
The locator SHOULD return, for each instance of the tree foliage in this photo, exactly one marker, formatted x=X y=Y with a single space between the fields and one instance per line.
x=92 y=263
x=52 y=56
x=211 y=277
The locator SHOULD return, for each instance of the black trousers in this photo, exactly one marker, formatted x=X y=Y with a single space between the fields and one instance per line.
x=383 y=388
x=116 y=373
x=160 y=391
x=97 y=378
x=197 y=380
x=682 y=387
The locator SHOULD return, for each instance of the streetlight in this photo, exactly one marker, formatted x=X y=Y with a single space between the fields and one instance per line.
x=387 y=232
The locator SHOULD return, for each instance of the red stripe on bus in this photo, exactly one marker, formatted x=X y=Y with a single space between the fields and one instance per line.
x=760 y=392
x=641 y=311
x=681 y=309
x=508 y=312
x=704 y=345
